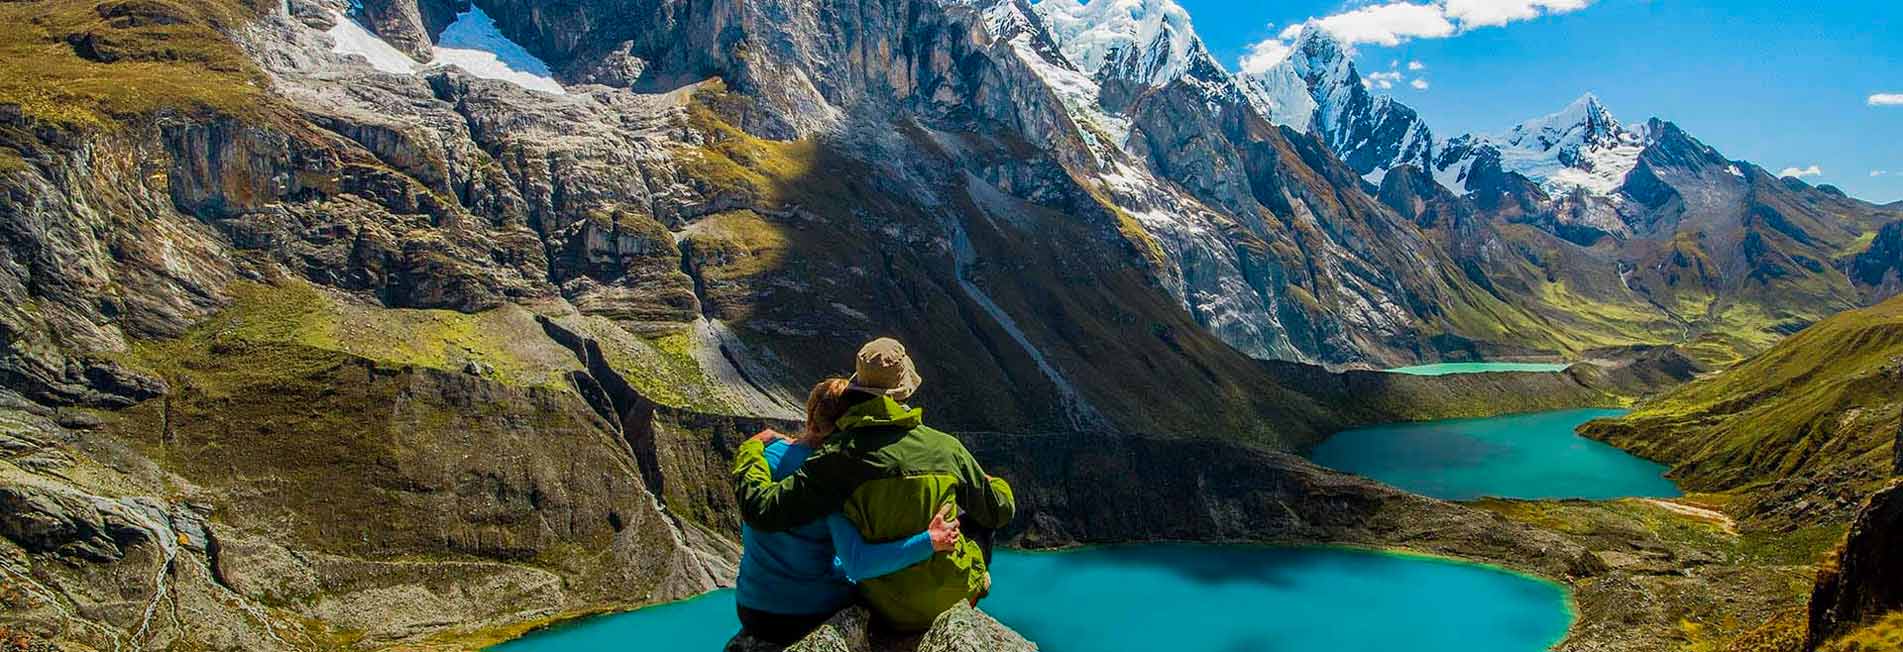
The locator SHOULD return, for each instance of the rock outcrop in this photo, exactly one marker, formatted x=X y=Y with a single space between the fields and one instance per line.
x=962 y=629
x=1865 y=580
x=1879 y=267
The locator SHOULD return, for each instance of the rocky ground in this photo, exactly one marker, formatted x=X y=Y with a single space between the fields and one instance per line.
x=960 y=630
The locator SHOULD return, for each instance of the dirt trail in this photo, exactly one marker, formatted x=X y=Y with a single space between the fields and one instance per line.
x=1730 y=526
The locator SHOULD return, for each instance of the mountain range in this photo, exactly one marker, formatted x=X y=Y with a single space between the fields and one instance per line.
x=1723 y=250
x=387 y=322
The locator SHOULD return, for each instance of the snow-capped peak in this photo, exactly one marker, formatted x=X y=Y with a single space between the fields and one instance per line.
x=1309 y=88
x=1317 y=89
x=1581 y=146
x=1585 y=121
x=1148 y=41
x=1320 y=58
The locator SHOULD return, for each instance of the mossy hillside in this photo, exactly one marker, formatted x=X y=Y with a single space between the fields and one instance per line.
x=505 y=343
x=777 y=175
x=286 y=415
x=1722 y=591
x=1885 y=635
x=333 y=452
x=11 y=161
x=806 y=215
x=1578 y=305
x=1815 y=413
x=1638 y=520
x=726 y=251
x=92 y=63
x=1128 y=226
x=1782 y=633
x=660 y=366
x=1591 y=322
x=1717 y=350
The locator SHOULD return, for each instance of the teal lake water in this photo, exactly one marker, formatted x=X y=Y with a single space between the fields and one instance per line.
x=1446 y=368
x=1191 y=598
x=1533 y=455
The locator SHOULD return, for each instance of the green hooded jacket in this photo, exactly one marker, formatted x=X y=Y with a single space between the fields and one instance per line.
x=889 y=474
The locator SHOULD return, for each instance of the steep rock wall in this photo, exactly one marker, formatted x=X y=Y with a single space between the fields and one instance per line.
x=1865 y=580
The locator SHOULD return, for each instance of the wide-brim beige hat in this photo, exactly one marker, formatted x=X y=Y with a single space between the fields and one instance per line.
x=883 y=368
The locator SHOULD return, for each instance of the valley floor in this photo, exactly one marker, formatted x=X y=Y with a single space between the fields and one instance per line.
x=1678 y=575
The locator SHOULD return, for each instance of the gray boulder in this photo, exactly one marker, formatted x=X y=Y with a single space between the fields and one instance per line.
x=963 y=629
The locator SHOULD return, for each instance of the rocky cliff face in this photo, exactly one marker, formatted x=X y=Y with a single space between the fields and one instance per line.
x=292 y=490
x=1865 y=581
x=1878 y=269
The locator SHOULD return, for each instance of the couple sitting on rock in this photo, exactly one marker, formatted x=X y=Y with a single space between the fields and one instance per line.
x=867 y=495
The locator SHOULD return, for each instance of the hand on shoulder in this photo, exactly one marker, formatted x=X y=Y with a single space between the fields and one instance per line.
x=770 y=435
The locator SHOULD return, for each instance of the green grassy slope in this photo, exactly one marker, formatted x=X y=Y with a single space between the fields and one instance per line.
x=1796 y=435
x=90 y=63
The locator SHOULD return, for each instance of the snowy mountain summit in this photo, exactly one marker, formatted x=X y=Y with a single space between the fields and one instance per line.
x=1146 y=41
x=1579 y=147
x=1317 y=89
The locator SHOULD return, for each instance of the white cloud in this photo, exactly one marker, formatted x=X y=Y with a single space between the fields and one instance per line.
x=1886 y=99
x=1398 y=21
x=1879 y=173
x=1418 y=84
x=1490 y=13
x=1265 y=55
x=1388 y=24
x=1800 y=173
x=1383 y=80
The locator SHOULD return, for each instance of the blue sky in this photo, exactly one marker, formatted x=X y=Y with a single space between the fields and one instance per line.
x=1781 y=84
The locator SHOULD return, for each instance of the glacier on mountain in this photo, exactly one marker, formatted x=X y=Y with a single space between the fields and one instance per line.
x=471 y=43
x=1147 y=40
x=348 y=37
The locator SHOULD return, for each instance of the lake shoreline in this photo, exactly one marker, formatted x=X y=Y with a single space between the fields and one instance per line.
x=1564 y=592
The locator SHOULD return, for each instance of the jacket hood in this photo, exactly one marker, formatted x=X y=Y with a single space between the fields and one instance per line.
x=881 y=412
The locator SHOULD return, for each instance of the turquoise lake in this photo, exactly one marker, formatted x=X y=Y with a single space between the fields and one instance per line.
x=1534 y=455
x=1188 y=597
x=1446 y=368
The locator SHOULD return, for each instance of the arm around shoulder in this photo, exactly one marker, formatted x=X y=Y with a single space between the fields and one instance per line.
x=863 y=561
x=810 y=493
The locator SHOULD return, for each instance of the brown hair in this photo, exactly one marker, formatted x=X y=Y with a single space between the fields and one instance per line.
x=825 y=405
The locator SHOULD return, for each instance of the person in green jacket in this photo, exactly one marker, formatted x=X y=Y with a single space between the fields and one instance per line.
x=889 y=474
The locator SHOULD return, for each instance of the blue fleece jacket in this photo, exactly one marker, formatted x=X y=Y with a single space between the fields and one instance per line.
x=810 y=569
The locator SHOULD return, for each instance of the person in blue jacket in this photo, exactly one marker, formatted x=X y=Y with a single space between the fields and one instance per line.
x=791 y=582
